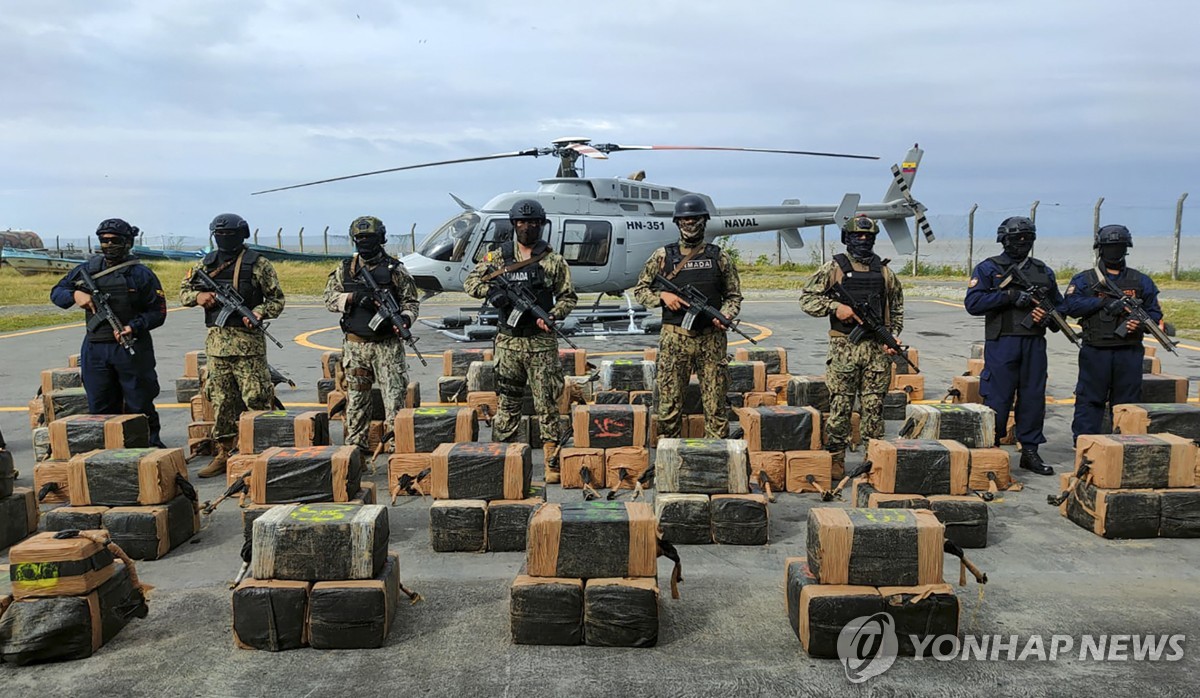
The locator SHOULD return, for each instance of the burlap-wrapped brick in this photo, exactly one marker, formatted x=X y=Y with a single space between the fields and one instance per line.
x=546 y=611
x=593 y=539
x=574 y=361
x=423 y=429
x=320 y=542
x=919 y=466
x=965 y=519
x=412 y=465
x=74 y=518
x=1131 y=461
x=452 y=389
x=150 y=532
x=193 y=361
x=702 y=466
x=965 y=389
x=810 y=391
x=60 y=379
x=64 y=403
x=774 y=359
x=747 y=377
x=630 y=461
x=740 y=519
x=312 y=474
x=508 y=523
x=683 y=518
x=456 y=362
x=481 y=376
x=912 y=384
x=781 y=428
x=900 y=367
x=771 y=463
x=627 y=375
x=620 y=612
x=18 y=516
x=1164 y=388
x=802 y=464
x=263 y=429
x=81 y=433
x=478 y=470
x=1113 y=513
x=974 y=426
x=818 y=612
x=46 y=565
x=125 y=477
x=1178 y=418
x=993 y=462
x=875 y=547
x=609 y=426
x=270 y=614
x=572 y=463
x=349 y=615
x=51 y=481
x=975 y=367
x=458 y=525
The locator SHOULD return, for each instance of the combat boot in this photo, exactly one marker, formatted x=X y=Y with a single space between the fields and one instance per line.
x=838 y=471
x=217 y=465
x=1031 y=461
x=550 y=450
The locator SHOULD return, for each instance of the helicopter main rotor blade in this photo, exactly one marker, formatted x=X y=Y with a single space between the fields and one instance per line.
x=588 y=151
x=613 y=148
x=520 y=153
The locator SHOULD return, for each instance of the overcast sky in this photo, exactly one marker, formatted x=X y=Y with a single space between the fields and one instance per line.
x=166 y=113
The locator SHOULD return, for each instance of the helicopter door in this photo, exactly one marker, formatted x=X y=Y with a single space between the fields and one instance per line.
x=587 y=247
x=495 y=231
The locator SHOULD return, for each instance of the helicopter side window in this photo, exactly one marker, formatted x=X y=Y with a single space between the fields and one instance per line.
x=449 y=242
x=586 y=243
x=499 y=230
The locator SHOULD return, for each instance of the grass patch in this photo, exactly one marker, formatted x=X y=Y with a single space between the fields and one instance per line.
x=1185 y=315
x=25 y=321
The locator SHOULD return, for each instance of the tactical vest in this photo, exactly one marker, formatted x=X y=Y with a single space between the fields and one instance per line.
x=356 y=320
x=250 y=292
x=702 y=272
x=1007 y=321
x=868 y=287
x=1099 y=329
x=532 y=276
x=119 y=286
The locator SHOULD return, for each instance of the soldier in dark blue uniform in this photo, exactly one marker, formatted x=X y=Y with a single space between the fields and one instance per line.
x=117 y=381
x=1015 y=354
x=1110 y=366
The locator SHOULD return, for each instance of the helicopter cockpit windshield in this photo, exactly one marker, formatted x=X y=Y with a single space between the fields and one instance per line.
x=449 y=242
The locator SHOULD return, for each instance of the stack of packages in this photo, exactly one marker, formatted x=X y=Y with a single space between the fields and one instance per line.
x=332 y=380
x=965 y=388
x=775 y=362
x=260 y=430
x=906 y=386
x=140 y=496
x=590 y=577
x=419 y=431
x=323 y=577
x=483 y=497
x=785 y=448
x=60 y=394
x=610 y=447
x=1160 y=387
x=18 y=509
x=703 y=493
x=190 y=389
x=943 y=476
x=1137 y=485
x=866 y=561
x=71 y=594
x=331 y=392
x=452 y=385
x=78 y=434
x=626 y=382
x=189 y=385
x=299 y=475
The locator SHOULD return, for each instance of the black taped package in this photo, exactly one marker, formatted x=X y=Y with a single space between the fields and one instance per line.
x=1180 y=513
x=683 y=518
x=818 y=612
x=310 y=474
x=61 y=628
x=809 y=390
x=508 y=524
x=74 y=518
x=620 y=612
x=923 y=612
x=352 y=615
x=270 y=614
x=458 y=525
x=965 y=518
x=150 y=532
x=546 y=611
x=320 y=542
x=740 y=519
x=612 y=397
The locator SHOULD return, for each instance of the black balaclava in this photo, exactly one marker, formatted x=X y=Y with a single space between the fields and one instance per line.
x=530 y=235
x=1018 y=247
x=1113 y=255
x=692 y=234
x=369 y=248
x=115 y=248
x=861 y=247
x=228 y=243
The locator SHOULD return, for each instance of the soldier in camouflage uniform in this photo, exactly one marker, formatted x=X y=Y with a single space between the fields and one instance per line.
x=702 y=350
x=527 y=351
x=860 y=370
x=371 y=354
x=238 y=377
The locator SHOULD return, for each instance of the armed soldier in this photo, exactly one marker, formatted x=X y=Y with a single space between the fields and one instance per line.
x=520 y=271
x=1002 y=289
x=373 y=350
x=863 y=369
x=122 y=301
x=1110 y=360
x=702 y=348
x=238 y=376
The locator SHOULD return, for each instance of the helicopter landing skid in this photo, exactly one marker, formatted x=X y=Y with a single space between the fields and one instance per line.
x=481 y=324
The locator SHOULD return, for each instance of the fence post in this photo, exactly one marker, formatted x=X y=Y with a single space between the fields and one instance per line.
x=1033 y=211
x=412 y=238
x=279 y=238
x=301 y=236
x=1178 y=230
x=325 y=237
x=57 y=245
x=1096 y=217
x=822 y=244
x=971 y=238
x=255 y=236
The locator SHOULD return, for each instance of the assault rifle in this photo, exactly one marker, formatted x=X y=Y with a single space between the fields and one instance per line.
x=1041 y=298
x=870 y=325
x=231 y=302
x=389 y=311
x=523 y=301
x=1133 y=307
x=698 y=307
x=103 y=312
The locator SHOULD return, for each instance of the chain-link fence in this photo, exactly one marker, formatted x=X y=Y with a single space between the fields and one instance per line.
x=318 y=242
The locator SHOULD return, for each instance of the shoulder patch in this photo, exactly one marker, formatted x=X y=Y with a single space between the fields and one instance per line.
x=160 y=293
x=1070 y=289
x=973 y=282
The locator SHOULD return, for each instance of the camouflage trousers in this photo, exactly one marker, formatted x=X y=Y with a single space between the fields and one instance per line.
x=237 y=384
x=531 y=362
x=365 y=364
x=680 y=355
x=861 y=370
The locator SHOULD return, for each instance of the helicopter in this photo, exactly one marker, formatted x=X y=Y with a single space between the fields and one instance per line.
x=607 y=227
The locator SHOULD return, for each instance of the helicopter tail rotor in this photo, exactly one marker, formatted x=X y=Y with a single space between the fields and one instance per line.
x=902 y=181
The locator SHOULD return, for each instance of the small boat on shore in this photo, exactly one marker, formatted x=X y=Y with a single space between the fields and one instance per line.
x=29 y=262
x=153 y=253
